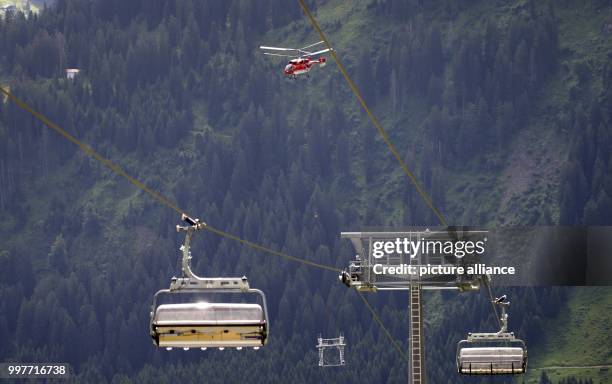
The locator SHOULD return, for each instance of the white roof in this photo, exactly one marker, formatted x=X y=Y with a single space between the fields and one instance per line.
x=207 y=313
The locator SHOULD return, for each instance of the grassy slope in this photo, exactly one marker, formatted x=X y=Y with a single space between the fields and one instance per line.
x=582 y=329
x=531 y=163
x=523 y=176
x=580 y=336
x=34 y=5
x=529 y=178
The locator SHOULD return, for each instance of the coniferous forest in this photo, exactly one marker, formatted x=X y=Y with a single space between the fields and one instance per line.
x=503 y=109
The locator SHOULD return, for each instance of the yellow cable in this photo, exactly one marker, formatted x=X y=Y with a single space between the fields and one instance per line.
x=389 y=144
x=379 y=127
x=269 y=250
x=382 y=326
x=161 y=198
x=115 y=168
x=88 y=150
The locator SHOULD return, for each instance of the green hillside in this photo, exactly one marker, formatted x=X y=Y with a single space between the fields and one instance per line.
x=502 y=109
x=22 y=5
x=579 y=337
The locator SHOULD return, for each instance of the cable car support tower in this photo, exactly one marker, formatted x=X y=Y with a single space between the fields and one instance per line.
x=360 y=275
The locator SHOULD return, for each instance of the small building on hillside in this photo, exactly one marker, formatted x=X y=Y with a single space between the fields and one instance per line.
x=9 y=9
x=71 y=73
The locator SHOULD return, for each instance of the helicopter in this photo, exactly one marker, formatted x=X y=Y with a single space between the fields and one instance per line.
x=302 y=61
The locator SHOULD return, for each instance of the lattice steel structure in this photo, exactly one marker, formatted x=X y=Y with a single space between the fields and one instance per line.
x=336 y=344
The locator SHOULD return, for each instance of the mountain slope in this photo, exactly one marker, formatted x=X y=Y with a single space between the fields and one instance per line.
x=485 y=101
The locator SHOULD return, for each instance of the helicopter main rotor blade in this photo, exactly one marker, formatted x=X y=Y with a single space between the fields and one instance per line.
x=320 y=52
x=277 y=48
x=276 y=54
x=311 y=45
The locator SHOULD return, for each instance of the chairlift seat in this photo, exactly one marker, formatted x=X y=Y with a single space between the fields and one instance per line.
x=209 y=325
x=491 y=360
x=203 y=325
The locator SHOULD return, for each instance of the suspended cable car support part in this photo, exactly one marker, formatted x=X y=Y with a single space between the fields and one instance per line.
x=205 y=325
x=499 y=353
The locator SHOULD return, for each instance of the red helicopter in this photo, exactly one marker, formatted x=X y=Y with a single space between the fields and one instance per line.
x=302 y=61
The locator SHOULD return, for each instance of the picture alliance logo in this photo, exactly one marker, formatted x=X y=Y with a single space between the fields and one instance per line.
x=405 y=246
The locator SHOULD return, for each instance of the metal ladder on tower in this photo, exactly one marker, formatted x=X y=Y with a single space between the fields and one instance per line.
x=341 y=350
x=417 y=368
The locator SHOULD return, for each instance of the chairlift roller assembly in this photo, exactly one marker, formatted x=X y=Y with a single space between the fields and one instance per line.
x=498 y=353
x=204 y=325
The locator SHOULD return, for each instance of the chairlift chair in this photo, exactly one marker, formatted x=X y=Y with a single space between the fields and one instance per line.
x=499 y=353
x=207 y=325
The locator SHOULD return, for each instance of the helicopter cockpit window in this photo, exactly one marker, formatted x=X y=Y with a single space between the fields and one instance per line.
x=288 y=67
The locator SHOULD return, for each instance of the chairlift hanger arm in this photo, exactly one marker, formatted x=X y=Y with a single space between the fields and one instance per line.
x=191 y=281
